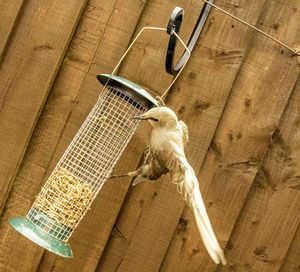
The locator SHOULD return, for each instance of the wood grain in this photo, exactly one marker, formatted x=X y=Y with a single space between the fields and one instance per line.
x=291 y=262
x=99 y=41
x=27 y=73
x=150 y=214
x=251 y=115
x=28 y=69
x=9 y=13
x=145 y=64
x=270 y=217
x=231 y=94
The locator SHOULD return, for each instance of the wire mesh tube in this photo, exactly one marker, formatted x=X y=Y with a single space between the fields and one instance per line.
x=86 y=165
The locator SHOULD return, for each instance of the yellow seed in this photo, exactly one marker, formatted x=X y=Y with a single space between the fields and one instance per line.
x=64 y=197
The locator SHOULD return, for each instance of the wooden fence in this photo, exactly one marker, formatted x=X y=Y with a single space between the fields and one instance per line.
x=239 y=95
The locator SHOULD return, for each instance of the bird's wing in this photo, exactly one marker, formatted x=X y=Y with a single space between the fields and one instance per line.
x=184 y=134
x=151 y=167
x=183 y=175
x=146 y=155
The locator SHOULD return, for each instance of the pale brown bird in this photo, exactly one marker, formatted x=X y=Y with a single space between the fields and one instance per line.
x=166 y=153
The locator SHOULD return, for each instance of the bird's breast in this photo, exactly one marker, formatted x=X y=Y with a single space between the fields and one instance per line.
x=162 y=142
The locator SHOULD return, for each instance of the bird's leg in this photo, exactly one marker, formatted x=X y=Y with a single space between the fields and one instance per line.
x=130 y=174
x=118 y=176
x=139 y=175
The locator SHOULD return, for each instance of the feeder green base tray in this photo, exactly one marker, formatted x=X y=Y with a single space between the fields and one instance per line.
x=25 y=227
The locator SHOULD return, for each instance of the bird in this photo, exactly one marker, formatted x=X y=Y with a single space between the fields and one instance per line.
x=166 y=153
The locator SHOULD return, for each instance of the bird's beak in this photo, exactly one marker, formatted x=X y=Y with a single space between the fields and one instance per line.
x=139 y=117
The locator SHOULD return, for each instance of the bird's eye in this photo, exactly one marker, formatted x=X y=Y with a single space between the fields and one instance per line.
x=153 y=119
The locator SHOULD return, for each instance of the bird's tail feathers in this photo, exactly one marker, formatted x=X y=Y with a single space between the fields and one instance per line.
x=187 y=184
x=214 y=250
x=194 y=199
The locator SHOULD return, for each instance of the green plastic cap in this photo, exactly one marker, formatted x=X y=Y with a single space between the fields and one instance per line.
x=130 y=89
x=25 y=227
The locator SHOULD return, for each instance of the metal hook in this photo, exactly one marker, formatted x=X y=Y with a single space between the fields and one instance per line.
x=174 y=26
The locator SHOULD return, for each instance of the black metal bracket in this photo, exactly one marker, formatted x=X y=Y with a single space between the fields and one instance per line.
x=174 y=25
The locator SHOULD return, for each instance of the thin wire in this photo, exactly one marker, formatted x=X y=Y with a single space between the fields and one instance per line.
x=295 y=52
x=132 y=43
x=189 y=52
x=162 y=29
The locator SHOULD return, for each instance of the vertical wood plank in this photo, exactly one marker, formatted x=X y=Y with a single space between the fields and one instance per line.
x=9 y=13
x=27 y=73
x=151 y=211
x=250 y=117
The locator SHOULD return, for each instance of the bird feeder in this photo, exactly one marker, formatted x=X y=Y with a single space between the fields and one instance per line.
x=91 y=156
x=85 y=166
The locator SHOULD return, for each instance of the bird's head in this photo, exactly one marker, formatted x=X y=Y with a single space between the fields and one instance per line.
x=159 y=117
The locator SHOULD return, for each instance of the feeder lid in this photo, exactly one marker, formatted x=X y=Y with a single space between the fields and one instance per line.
x=137 y=92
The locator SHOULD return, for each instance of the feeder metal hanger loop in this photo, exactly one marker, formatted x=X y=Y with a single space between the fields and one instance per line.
x=174 y=26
